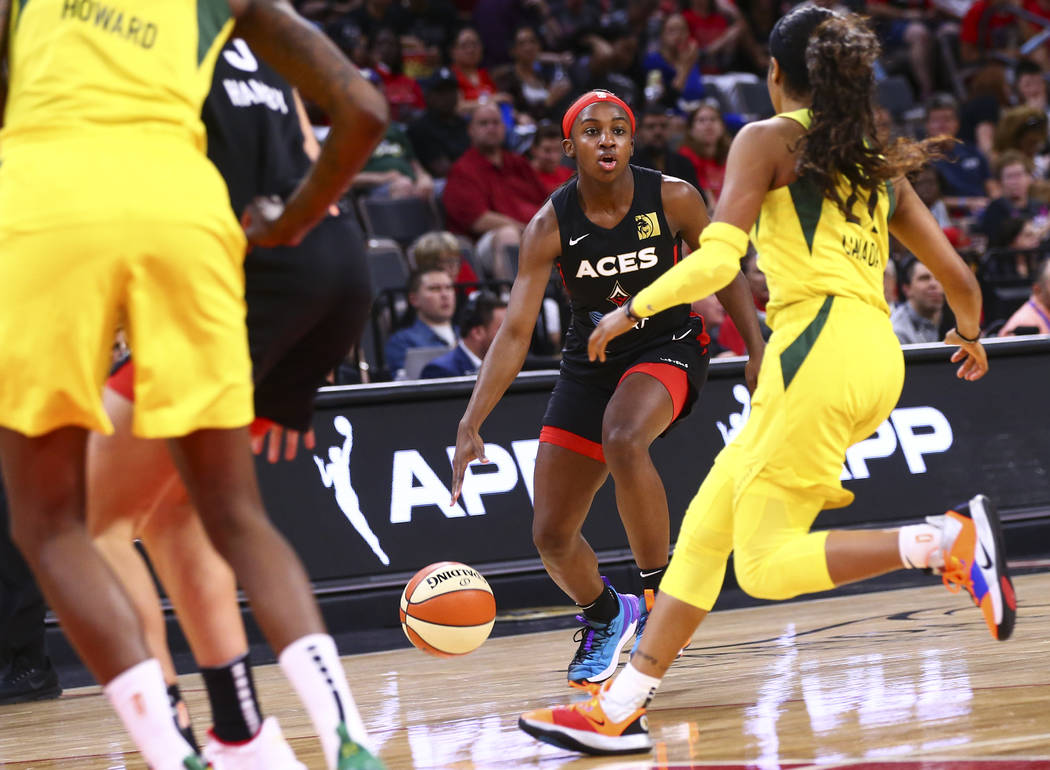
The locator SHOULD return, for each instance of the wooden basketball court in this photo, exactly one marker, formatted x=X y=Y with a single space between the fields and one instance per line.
x=897 y=680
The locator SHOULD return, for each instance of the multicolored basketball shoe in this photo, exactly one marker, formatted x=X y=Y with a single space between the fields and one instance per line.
x=584 y=727
x=974 y=559
x=645 y=605
x=600 y=644
x=354 y=756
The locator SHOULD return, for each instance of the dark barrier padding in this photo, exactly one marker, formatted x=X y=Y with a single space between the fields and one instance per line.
x=370 y=504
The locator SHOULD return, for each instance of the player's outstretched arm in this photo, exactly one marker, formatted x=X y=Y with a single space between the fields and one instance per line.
x=358 y=112
x=914 y=226
x=540 y=246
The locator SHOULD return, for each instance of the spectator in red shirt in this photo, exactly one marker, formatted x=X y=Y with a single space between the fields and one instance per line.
x=706 y=145
x=474 y=80
x=403 y=94
x=546 y=154
x=988 y=26
x=491 y=193
x=717 y=28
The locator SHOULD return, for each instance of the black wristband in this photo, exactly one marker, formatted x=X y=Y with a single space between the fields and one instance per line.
x=630 y=312
x=967 y=339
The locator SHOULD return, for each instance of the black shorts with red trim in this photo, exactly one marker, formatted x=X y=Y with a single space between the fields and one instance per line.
x=307 y=306
x=576 y=408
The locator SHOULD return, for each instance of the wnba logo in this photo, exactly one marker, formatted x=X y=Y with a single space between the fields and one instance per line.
x=648 y=225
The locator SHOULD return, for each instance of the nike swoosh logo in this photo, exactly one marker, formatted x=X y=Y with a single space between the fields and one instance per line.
x=648 y=574
x=984 y=561
x=681 y=336
x=574 y=241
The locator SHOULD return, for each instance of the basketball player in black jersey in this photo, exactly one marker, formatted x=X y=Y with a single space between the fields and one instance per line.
x=306 y=306
x=611 y=230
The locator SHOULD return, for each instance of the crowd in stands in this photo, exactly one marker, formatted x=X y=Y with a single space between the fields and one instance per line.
x=477 y=88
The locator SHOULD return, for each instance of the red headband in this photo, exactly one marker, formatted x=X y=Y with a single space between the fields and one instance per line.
x=589 y=98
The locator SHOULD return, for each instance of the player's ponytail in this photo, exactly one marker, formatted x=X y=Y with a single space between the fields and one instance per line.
x=831 y=57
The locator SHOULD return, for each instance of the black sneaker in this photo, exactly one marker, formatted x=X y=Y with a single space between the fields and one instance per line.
x=28 y=682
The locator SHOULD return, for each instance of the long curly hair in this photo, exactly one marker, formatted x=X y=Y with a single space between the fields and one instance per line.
x=830 y=57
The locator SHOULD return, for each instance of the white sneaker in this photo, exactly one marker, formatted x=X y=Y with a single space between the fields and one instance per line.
x=268 y=750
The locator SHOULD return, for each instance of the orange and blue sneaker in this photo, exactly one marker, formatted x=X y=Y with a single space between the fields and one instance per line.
x=645 y=606
x=600 y=644
x=974 y=559
x=584 y=727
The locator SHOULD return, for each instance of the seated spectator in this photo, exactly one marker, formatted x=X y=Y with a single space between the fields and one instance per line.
x=371 y=15
x=706 y=145
x=717 y=27
x=403 y=94
x=1033 y=317
x=930 y=189
x=1014 y=171
x=963 y=169
x=491 y=193
x=1024 y=129
x=546 y=155
x=441 y=250
x=433 y=297
x=393 y=171
x=440 y=136
x=651 y=149
x=474 y=80
x=988 y=27
x=478 y=323
x=1030 y=86
x=608 y=58
x=918 y=318
x=677 y=60
x=539 y=89
x=729 y=336
x=426 y=28
x=903 y=26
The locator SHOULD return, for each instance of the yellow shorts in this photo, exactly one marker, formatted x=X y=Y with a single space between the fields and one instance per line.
x=178 y=290
x=832 y=372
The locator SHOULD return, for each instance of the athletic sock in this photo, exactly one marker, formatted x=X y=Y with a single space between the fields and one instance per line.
x=140 y=698
x=651 y=579
x=234 y=704
x=604 y=608
x=917 y=543
x=629 y=691
x=312 y=665
x=181 y=715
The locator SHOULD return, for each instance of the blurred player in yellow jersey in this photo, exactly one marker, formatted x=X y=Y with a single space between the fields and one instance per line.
x=110 y=213
x=819 y=197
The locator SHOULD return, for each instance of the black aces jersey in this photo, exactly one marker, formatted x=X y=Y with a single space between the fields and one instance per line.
x=254 y=135
x=602 y=269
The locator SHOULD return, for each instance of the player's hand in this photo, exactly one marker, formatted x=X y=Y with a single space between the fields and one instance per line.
x=612 y=325
x=278 y=435
x=469 y=447
x=752 y=367
x=972 y=354
x=261 y=221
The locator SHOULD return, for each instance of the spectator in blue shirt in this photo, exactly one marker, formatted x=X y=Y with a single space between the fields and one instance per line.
x=481 y=318
x=963 y=169
x=432 y=295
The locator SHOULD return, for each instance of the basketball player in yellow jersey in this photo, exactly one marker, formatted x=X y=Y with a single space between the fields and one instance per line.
x=110 y=212
x=820 y=198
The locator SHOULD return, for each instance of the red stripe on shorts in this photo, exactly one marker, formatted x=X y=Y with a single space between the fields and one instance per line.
x=573 y=442
x=671 y=377
x=122 y=381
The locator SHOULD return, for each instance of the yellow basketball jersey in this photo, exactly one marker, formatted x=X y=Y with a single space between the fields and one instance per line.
x=807 y=248
x=81 y=64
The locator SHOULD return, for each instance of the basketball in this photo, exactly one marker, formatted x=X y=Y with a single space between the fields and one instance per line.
x=447 y=609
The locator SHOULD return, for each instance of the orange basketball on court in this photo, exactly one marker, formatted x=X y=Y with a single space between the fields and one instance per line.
x=447 y=609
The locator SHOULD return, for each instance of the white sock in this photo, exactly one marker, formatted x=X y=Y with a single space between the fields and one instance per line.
x=918 y=543
x=312 y=665
x=628 y=692
x=140 y=698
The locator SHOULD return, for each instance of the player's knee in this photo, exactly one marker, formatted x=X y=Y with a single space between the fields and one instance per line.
x=760 y=577
x=623 y=446
x=549 y=537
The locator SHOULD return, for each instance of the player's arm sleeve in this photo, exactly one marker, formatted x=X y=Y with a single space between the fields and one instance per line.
x=708 y=269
